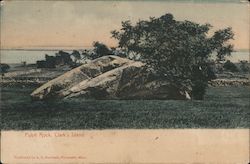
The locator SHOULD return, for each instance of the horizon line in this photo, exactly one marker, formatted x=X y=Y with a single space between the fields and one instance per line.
x=51 y=48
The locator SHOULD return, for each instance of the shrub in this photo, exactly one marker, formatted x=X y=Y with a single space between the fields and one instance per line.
x=4 y=68
x=229 y=66
x=243 y=66
x=100 y=50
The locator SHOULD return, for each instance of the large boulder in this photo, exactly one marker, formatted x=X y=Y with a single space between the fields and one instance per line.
x=109 y=77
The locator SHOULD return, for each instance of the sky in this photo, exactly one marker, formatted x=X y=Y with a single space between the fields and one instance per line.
x=48 y=24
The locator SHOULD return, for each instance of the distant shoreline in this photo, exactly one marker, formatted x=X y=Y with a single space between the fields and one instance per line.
x=15 y=56
x=45 y=49
x=74 y=48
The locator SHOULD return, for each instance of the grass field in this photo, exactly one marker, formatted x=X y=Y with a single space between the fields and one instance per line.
x=223 y=107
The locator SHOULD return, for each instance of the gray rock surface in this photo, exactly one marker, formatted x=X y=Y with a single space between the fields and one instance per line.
x=109 y=77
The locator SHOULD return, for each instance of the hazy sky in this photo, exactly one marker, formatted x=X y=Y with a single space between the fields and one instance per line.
x=78 y=23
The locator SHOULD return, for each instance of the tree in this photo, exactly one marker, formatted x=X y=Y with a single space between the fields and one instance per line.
x=64 y=57
x=178 y=51
x=85 y=55
x=100 y=50
x=77 y=56
x=229 y=66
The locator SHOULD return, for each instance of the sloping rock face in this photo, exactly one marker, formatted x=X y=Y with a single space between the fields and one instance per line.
x=109 y=77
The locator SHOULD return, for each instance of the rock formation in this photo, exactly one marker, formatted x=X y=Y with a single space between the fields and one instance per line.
x=109 y=77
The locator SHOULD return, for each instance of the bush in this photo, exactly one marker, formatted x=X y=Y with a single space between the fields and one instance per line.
x=100 y=50
x=229 y=66
x=243 y=66
x=4 y=68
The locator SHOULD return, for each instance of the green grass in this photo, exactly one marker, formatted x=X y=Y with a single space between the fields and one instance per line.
x=223 y=107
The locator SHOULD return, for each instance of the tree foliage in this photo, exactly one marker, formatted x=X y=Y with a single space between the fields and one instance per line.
x=77 y=56
x=100 y=50
x=178 y=51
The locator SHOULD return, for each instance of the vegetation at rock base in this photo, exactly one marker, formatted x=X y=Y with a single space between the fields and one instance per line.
x=175 y=50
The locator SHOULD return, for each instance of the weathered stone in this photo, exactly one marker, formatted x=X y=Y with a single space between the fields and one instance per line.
x=109 y=77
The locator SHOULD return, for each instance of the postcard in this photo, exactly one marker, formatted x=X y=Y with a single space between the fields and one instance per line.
x=125 y=81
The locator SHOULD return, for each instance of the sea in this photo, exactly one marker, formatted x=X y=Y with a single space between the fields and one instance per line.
x=28 y=56
x=31 y=56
